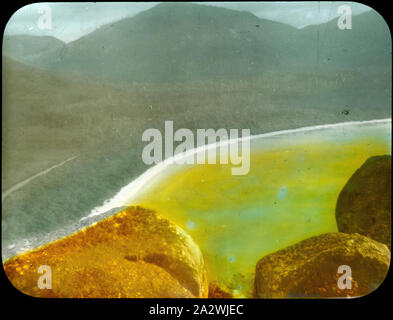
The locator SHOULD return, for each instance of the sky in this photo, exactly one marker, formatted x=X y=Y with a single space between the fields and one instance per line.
x=72 y=20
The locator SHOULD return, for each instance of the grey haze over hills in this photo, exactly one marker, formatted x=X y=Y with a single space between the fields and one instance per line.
x=178 y=42
x=73 y=20
x=26 y=48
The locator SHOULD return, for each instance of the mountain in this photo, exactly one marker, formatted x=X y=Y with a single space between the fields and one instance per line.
x=175 y=41
x=26 y=48
x=367 y=44
x=192 y=42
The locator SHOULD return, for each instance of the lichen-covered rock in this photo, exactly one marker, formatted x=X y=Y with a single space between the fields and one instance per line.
x=310 y=268
x=364 y=204
x=132 y=254
x=217 y=292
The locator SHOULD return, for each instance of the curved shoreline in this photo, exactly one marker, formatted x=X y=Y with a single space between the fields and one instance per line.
x=134 y=186
x=120 y=199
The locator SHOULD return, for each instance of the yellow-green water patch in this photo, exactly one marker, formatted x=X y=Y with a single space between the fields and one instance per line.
x=289 y=195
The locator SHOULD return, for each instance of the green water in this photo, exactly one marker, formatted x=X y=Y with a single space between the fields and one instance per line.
x=288 y=195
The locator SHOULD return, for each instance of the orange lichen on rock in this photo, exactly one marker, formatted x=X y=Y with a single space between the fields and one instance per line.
x=217 y=292
x=310 y=268
x=133 y=254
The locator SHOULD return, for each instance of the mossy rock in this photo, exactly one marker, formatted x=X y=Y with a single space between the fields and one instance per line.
x=310 y=268
x=133 y=254
x=218 y=292
x=364 y=204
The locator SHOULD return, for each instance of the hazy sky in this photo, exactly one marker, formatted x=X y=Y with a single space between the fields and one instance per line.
x=73 y=20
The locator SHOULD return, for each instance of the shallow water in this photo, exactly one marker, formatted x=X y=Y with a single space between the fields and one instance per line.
x=288 y=195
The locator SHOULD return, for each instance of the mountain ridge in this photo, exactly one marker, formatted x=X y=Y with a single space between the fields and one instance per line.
x=178 y=42
x=26 y=48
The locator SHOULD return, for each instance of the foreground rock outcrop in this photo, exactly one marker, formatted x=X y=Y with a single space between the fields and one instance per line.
x=310 y=267
x=364 y=204
x=217 y=292
x=134 y=253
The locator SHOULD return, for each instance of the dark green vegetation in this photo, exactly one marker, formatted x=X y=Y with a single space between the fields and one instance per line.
x=200 y=66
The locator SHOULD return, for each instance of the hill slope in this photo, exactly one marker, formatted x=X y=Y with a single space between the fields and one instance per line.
x=190 y=42
x=26 y=48
x=367 y=44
